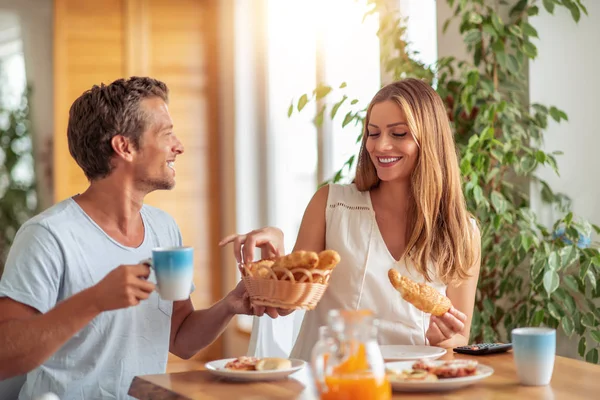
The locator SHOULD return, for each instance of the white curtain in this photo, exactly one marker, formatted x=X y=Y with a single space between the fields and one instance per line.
x=275 y=337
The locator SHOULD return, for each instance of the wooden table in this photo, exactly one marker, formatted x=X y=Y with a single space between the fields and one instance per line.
x=572 y=379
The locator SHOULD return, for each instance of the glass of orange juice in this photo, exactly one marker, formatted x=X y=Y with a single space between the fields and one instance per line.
x=346 y=361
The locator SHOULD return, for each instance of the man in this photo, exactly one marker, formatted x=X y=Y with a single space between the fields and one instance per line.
x=78 y=313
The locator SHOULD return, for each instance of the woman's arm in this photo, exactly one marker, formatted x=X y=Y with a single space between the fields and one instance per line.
x=453 y=328
x=311 y=236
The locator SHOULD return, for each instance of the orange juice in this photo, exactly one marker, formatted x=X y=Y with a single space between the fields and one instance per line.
x=352 y=380
x=356 y=362
x=357 y=386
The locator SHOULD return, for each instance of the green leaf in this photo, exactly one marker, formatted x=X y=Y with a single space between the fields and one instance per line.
x=478 y=194
x=528 y=29
x=290 y=110
x=518 y=8
x=475 y=18
x=549 y=6
x=555 y=114
x=540 y=156
x=489 y=29
x=554 y=311
x=570 y=305
x=574 y=11
x=497 y=22
x=530 y=50
x=473 y=36
x=353 y=102
x=498 y=202
x=488 y=306
x=581 y=346
x=538 y=267
x=592 y=306
x=516 y=31
x=343 y=85
x=319 y=117
x=532 y=11
x=446 y=24
x=563 y=115
x=513 y=64
x=347 y=119
x=569 y=218
x=595 y=335
x=567 y=325
x=554 y=261
x=322 y=91
x=592 y=356
x=551 y=281
x=528 y=164
x=588 y=320
x=336 y=107
x=538 y=318
x=592 y=278
x=302 y=102
x=568 y=255
x=526 y=241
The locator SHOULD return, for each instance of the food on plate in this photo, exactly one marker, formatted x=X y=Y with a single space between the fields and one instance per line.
x=420 y=295
x=441 y=370
x=242 y=364
x=258 y=364
x=298 y=266
x=456 y=369
x=273 y=363
x=429 y=371
x=414 y=375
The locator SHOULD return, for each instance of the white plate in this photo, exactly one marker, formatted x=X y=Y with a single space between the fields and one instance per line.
x=441 y=385
x=411 y=353
x=218 y=368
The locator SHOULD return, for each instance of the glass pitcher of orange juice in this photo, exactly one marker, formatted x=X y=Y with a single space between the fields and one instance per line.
x=347 y=362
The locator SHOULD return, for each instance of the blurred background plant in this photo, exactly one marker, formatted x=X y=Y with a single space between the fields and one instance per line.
x=531 y=274
x=18 y=198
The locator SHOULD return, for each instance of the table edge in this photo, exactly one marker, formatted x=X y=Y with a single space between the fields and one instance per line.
x=141 y=387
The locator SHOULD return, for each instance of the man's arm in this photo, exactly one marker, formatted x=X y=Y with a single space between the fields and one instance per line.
x=191 y=331
x=28 y=337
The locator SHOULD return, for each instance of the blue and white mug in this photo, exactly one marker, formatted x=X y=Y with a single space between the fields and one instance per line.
x=174 y=270
x=534 y=352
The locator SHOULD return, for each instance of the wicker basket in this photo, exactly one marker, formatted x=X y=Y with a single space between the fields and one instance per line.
x=292 y=289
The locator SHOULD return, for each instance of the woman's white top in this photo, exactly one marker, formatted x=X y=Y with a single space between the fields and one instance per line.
x=360 y=281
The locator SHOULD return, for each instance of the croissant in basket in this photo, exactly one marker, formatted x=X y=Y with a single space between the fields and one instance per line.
x=294 y=281
x=420 y=295
x=298 y=266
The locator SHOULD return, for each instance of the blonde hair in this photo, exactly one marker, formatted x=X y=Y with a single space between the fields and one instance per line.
x=440 y=228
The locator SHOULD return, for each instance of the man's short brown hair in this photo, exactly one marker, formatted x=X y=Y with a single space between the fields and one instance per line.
x=105 y=111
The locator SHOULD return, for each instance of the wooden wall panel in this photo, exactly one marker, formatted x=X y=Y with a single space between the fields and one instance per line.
x=88 y=49
x=99 y=41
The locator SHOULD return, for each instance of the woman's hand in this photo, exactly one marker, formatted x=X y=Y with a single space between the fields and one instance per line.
x=269 y=240
x=445 y=327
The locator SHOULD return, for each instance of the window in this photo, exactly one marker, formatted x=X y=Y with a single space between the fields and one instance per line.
x=284 y=48
x=305 y=42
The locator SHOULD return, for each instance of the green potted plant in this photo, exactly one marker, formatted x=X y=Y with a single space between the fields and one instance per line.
x=18 y=199
x=530 y=274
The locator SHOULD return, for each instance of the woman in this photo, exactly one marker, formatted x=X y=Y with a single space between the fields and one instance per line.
x=405 y=210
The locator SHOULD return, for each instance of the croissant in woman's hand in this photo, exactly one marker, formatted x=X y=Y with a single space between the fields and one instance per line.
x=420 y=295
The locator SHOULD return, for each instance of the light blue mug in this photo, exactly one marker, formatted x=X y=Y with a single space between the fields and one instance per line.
x=534 y=351
x=174 y=270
